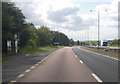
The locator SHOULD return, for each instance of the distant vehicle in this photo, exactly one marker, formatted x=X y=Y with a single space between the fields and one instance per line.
x=70 y=45
x=56 y=44
x=104 y=43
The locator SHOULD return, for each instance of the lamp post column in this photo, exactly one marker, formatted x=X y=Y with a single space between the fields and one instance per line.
x=98 y=29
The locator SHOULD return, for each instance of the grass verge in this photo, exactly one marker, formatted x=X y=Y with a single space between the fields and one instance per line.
x=35 y=50
x=5 y=59
x=114 y=46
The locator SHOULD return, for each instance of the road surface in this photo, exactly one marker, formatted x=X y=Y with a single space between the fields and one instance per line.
x=105 y=68
x=60 y=66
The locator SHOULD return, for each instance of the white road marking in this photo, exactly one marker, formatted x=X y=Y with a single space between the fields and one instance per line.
x=27 y=54
x=96 y=77
x=81 y=61
x=73 y=53
x=76 y=55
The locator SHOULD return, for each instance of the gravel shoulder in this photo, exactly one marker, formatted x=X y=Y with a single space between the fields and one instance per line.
x=19 y=63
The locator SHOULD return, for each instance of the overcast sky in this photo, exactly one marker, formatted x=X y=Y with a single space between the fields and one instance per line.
x=73 y=17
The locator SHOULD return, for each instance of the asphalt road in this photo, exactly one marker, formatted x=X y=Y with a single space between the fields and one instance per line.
x=105 y=68
x=60 y=66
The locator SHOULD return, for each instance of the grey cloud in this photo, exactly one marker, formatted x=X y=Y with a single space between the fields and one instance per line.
x=80 y=24
x=75 y=28
x=115 y=18
x=59 y=16
x=28 y=9
x=77 y=19
x=90 y=22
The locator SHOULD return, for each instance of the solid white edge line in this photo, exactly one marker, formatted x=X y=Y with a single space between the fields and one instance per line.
x=96 y=77
x=100 y=54
x=81 y=61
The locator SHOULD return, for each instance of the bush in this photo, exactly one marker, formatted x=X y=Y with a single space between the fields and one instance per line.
x=28 y=47
x=31 y=43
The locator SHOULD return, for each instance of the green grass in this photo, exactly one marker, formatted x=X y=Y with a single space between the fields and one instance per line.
x=4 y=56
x=35 y=50
x=5 y=59
x=114 y=45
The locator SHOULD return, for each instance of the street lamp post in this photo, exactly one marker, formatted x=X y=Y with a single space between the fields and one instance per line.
x=16 y=36
x=98 y=27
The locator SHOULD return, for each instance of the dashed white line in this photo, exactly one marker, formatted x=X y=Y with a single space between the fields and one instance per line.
x=76 y=55
x=27 y=54
x=96 y=77
x=81 y=61
x=73 y=52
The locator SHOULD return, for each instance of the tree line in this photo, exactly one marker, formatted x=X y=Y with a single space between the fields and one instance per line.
x=13 y=22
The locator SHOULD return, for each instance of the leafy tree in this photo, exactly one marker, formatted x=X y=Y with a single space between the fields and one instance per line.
x=78 y=42
x=61 y=38
x=44 y=36
x=114 y=41
x=29 y=36
x=119 y=42
x=12 y=22
x=72 y=41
